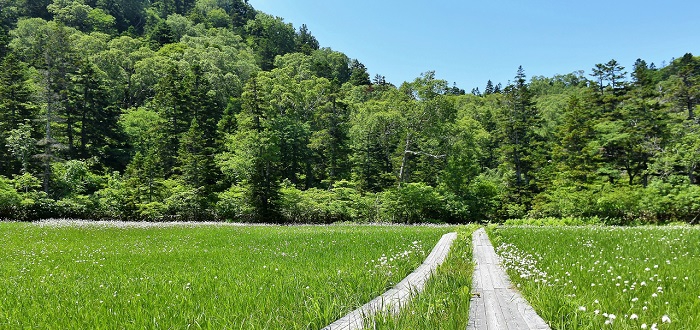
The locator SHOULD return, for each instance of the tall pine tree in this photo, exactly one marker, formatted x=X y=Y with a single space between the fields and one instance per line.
x=518 y=122
x=16 y=107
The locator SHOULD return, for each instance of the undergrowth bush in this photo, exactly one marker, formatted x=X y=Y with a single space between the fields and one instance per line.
x=658 y=203
x=568 y=221
x=82 y=194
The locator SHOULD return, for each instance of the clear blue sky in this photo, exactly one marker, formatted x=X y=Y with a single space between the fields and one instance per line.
x=469 y=42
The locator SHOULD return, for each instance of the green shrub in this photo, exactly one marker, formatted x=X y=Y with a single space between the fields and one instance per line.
x=10 y=200
x=186 y=203
x=413 y=203
x=565 y=201
x=552 y=221
x=338 y=204
x=663 y=202
x=153 y=211
x=74 y=177
x=232 y=206
x=35 y=206
x=115 y=201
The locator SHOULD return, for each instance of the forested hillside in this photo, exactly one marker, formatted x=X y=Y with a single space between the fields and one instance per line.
x=211 y=110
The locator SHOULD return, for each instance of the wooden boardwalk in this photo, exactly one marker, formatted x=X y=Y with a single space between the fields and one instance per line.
x=392 y=300
x=495 y=305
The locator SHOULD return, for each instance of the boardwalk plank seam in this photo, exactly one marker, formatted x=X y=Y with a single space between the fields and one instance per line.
x=495 y=304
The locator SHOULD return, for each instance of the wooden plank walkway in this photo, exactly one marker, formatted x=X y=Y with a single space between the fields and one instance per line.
x=495 y=305
x=392 y=300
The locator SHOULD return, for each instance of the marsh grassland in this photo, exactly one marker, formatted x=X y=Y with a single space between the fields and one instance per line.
x=191 y=276
x=606 y=277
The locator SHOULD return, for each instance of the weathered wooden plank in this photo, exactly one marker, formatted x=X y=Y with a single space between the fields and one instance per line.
x=477 y=283
x=497 y=305
x=529 y=314
x=514 y=320
x=484 y=271
x=494 y=315
x=477 y=312
x=497 y=276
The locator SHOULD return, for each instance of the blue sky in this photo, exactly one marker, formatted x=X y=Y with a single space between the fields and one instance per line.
x=470 y=42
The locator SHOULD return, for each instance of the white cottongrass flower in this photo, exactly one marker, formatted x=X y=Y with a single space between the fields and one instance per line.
x=635 y=299
x=644 y=325
x=634 y=317
x=665 y=319
x=582 y=308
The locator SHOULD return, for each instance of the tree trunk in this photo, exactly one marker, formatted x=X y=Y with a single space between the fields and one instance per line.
x=69 y=122
x=691 y=106
x=691 y=174
x=404 y=158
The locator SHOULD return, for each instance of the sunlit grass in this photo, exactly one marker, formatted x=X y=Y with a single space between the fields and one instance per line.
x=606 y=277
x=216 y=277
x=444 y=303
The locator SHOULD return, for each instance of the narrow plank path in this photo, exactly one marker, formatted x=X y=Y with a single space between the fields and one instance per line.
x=397 y=297
x=495 y=305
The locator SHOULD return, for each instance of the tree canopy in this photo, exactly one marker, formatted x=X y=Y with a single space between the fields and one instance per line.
x=209 y=109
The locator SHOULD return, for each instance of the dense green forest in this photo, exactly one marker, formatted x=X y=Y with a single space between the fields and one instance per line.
x=211 y=110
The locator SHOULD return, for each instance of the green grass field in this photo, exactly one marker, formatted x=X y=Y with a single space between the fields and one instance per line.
x=304 y=277
x=444 y=303
x=606 y=277
x=215 y=277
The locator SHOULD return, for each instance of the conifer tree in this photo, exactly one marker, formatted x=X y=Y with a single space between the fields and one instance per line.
x=687 y=90
x=498 y=89
x=16 y=107
x=57 y=66
x=4 y=40
x=174 y=103
x=194 y=158
x=517 y=125
x=359 y=75
x=252 y=157
x=305 y=42
x=489 y=88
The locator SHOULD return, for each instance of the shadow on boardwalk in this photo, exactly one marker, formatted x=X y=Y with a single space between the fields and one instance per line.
x=495 y=305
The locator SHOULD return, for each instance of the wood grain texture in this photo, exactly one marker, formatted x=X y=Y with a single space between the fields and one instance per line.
x=495 y=304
